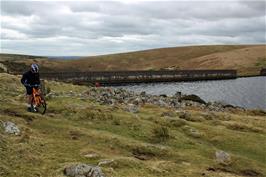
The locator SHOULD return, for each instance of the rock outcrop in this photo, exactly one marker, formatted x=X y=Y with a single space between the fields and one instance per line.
x=11 y=128
x=83 y=170
x=223 y=157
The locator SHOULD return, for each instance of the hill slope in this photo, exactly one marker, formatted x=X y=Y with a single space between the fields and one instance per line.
x=153 y=142
x=247 y=59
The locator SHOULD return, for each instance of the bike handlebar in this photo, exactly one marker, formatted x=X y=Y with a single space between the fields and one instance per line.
x=34 y=85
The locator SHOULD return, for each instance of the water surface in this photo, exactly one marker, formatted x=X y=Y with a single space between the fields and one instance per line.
x=247 y=92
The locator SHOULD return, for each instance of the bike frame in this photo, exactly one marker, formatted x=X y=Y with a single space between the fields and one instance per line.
x=37 y=98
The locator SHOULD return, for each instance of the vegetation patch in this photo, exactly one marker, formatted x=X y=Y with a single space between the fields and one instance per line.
x=261 y=62
x=160 y=134
x=147 y=152
x=242 y=127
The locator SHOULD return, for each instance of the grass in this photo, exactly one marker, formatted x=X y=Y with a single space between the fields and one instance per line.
x=261 y=62
x=143 y=144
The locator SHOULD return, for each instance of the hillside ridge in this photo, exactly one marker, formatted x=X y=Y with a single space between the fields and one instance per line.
x=246 y=59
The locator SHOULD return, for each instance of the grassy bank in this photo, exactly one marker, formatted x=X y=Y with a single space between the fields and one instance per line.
x=80 y=130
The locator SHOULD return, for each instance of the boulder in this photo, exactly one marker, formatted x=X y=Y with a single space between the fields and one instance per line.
x=194 y=98
x=162 y=103
x=132 y=108
x=185 y=115
x=143 y=94
x=11 y=128
x=215 y=106
x=223 y=157
x=137 y=101
x=178 y=95
x=83 y=170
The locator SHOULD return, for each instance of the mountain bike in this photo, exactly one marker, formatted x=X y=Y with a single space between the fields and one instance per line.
x=38 y=103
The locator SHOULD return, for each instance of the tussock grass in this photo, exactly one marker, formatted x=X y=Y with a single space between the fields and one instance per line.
x=160 y=134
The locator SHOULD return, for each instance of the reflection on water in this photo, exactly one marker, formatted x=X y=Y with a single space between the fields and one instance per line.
x=245 y=92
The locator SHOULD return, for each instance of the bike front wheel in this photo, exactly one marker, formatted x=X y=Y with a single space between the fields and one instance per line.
x=40 y=107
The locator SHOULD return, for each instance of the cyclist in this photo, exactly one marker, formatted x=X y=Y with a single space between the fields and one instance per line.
x=31 y=79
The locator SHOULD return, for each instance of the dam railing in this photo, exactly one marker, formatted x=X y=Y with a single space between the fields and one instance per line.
x=120 y=77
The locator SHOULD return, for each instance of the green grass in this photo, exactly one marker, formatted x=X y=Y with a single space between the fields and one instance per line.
x=261 y=62
x=142 y=144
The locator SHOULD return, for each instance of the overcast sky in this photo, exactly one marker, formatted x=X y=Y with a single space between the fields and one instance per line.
x=94 y=28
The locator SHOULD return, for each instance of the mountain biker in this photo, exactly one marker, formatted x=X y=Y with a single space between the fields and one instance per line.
x=31 y=79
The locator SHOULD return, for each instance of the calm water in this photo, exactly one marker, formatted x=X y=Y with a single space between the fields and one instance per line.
x=245 y=92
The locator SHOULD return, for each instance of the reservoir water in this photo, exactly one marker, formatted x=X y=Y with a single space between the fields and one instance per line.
x=249 y=92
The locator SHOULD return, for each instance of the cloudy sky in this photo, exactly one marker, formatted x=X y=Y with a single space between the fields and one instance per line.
x=94 y=28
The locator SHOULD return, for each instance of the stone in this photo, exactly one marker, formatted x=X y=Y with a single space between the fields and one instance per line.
x=11 y=128
x=185 y=115
x=91 y=155
x=178 y=95
x=105 y=162
x=137 y=101
x=83 y=170
x=162 y=103
x=132 y=108
x=143 y=94
x=223 y=157
x=208 y=115
x=163 y=95
x=193 y=98
x=194 y=133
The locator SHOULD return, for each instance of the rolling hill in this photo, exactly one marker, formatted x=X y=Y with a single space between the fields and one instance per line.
x=247 y=59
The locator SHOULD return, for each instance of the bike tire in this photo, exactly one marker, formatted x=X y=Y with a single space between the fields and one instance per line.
x=41 y=108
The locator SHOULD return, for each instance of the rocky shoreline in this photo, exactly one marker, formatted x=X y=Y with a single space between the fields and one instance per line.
x=133 y=100
x=111 y=96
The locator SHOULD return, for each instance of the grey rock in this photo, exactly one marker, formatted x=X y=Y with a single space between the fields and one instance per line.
x=162 y=103
x=105 y=162
x=185 y=115
x=215 y=106
x=112 y=96
x=132 y=108
x=193 y=98
x=208 y=115
x=92 y=155
x=194 y=133
x=137 y=101
x=11 y=128
x=83 y=170
x=223 y=157
x=174 y=103
x=143 y=94
x=178 y=95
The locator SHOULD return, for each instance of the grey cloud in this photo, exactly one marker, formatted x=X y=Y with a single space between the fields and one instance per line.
x=108 y=27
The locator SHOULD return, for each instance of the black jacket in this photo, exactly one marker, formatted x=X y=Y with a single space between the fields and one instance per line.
x=30 y=78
